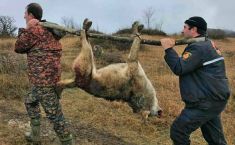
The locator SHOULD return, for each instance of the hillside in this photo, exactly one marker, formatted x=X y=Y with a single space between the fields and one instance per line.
x=96 y=121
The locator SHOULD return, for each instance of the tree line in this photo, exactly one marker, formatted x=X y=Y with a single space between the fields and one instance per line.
x=8 y=28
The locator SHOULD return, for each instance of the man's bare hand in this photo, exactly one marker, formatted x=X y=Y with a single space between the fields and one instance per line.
x=32 y=23
x=167 y=43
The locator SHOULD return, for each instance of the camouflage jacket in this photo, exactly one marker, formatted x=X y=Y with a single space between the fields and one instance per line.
x=43 y=51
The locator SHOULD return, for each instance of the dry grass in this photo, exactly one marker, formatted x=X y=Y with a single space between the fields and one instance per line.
x=7 y=44
x=97 y=121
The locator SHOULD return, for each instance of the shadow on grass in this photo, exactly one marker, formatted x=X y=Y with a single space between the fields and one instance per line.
x=91 y=134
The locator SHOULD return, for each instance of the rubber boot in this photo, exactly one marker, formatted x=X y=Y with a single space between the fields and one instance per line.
x=34 y=136
x=68 y=140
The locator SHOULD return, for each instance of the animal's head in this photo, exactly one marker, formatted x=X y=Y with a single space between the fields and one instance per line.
x=145 y=107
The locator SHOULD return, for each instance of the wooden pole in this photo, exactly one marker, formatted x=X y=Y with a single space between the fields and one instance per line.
x=118 y=38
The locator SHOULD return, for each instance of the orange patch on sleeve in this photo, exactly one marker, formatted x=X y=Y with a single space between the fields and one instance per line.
x=186 y=55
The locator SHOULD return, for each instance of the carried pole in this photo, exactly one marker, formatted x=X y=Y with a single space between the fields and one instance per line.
x=118 y=38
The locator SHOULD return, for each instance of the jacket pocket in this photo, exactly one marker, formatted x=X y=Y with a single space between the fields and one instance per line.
x=218 y=88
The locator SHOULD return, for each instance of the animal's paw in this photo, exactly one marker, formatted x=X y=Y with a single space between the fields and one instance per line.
x=145 y=115
x=86 y=24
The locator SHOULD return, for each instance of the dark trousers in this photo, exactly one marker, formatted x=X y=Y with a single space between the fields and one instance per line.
x=208 y=120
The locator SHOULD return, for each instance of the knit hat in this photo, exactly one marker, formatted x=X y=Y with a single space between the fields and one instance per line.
x=198 y=22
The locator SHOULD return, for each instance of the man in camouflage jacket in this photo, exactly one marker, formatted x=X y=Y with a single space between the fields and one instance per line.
x=43 y=51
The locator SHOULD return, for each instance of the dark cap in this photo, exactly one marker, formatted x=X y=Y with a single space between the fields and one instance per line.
x=198 y=22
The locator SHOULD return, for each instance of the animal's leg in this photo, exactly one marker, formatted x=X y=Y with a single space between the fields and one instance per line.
x=133 y=55
x=84 y=32
x=84 y=64
x=86 y=26
x=137 y=100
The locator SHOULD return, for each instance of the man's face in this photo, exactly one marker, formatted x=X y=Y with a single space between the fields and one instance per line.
x=27 y=16
x=187 y=32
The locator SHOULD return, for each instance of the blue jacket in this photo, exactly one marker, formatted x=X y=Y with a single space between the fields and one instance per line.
x=201 y=72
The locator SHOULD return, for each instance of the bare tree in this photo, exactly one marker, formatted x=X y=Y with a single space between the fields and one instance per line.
x=69 y=23
x=160 y=24
x=148 y=16
x=7 y=27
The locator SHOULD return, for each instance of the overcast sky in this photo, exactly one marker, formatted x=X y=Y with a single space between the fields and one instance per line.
x=110 y=15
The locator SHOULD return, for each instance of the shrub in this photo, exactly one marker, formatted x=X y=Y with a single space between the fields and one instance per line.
x=144 y=31
x=7 y=44
x=11 y=63
x=108 y=44
x=216 y=33
x=13 y=76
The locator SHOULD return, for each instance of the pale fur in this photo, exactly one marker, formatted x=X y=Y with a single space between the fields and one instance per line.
x=116 y=81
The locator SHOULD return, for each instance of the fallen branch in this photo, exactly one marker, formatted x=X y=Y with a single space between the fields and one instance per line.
x=118 y=38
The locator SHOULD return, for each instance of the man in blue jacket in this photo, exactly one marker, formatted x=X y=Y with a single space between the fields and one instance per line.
x=203 y=86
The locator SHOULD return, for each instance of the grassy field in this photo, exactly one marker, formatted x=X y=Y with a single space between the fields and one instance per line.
x=96 y=121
